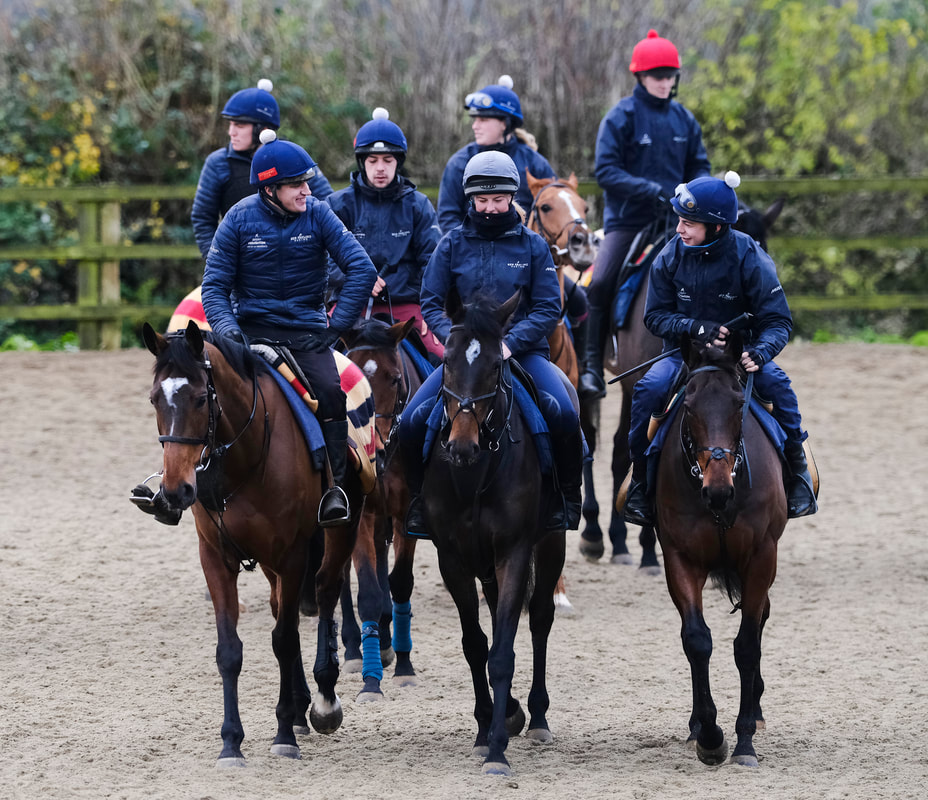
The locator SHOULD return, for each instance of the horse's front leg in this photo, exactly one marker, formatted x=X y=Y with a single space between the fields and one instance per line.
x=223 y=591
x=591 y=538
x=326 y=712
x=370 y=602
x=549 y=560
x=401 y=585
x=473 y=641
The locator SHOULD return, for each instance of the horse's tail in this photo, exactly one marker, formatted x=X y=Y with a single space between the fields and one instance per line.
x=728 y=582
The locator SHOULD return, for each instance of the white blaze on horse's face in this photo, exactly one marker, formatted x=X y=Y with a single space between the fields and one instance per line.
x=571 y=208
x=472 y=352
x=369 y=368
x=170 y=387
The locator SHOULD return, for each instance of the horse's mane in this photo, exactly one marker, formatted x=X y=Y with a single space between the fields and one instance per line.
x=480 y=317
x=720 y=358
x=374 y=333
x=178 y=353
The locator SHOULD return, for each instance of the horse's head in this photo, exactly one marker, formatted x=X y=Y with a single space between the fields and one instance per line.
x=559 y=215
x=374 y=346
x=712 y=417
x=755 y=224
x=473 y=370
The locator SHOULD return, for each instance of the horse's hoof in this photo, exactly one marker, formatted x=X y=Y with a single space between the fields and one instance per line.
x=539 y=735
x=563 y=606
x=286 y=750
x=402 y=681
x=515 y=722
x=592 y=551
x=650 y=571
x=368 y=696
x=387 y=657
x=353 y=665
x=326 y=720
x=233 y=761
x=622 y=558
x=301 y=730
x=744 y=761
x=712 y=757
x=497 y=768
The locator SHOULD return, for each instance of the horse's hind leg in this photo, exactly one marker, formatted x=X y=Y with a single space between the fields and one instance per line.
x=591 y=538
x=381 y=546
x=223 y=591
x=549 y=554
x=370 y=603
x=401 y=585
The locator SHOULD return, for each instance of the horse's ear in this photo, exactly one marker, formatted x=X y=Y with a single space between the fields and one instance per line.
x=771 y=214
x=534 y=184
x=454 y=308
x=194 y=337
x=507 y=309
x=572 y=181
x=154 y=341
x=400 y=330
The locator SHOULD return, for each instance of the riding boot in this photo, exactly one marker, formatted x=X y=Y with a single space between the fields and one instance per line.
x=415 y=474
x=154 y=503
x=638 y=509
x=568 y=457
x=579 y=331
x=800 y=497
x=591 y=383
x=334 y=508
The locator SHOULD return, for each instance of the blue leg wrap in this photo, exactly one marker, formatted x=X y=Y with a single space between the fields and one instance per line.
x=402 y=636
x=371 y=665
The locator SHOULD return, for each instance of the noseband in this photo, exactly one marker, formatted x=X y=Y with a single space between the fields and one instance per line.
x=691 y=452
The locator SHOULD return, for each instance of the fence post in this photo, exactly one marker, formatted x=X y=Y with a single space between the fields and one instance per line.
x=98 y=281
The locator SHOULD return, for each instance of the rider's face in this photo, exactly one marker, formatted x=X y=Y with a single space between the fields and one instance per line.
x=292 y=196
x=240 y=135
x=658 y=87
x=488 y=130
x=492 y=203
x=380 y=170
x=692 y=233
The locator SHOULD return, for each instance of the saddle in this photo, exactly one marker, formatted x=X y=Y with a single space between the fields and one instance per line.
x=359 y=401
x=643 y=250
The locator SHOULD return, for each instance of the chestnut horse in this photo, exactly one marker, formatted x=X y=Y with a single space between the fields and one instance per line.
x=234 y=451
x=488 y=505
x=376 y=347
x=721 y=509
x=628 y=347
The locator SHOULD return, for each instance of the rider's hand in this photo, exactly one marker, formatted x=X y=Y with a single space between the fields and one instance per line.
x=378 y=287
x=751 y=361
x=330 y=336
x=506 y=351
x=708 y=332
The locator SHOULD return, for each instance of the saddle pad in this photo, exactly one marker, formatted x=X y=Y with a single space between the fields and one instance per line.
x=189 y=309
x=625 y=296
x=423 y=366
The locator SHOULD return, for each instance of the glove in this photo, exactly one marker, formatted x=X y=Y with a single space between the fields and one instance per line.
x=331 y=337
x=757 y=358
x=704 y=331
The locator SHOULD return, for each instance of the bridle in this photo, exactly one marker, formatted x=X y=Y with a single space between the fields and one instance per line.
x=400 y=399
x=552 y=239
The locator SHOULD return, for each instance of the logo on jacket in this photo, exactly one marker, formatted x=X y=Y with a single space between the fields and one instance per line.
x=646 y=139
x=683 y=295
x=517 y=264
x=301 y=237
x=401 y=234
x=256 y=243
x=679 y=138
x=728 y=297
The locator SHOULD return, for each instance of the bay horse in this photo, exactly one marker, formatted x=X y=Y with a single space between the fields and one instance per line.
x=721 y=509
x=234 y=452
x=558 y=215
x=628 y=347
x=383 y=597
x=488 y=507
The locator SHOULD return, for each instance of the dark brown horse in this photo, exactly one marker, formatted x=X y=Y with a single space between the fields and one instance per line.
x=628 y=347
x=235 y=453
x=721 y=509
x=383 y=597
x=488 y=505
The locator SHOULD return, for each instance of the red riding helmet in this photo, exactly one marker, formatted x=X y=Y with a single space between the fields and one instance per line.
x=654 y=52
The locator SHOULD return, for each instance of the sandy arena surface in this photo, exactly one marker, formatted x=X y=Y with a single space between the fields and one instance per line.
x=110 y=688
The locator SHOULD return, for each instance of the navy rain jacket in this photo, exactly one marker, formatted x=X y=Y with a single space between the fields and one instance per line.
x=452 y=204
x=519 y=259
x=645 y=147
x=717 y=285
x=398 y=228
x=275 y=264
x=223 y=182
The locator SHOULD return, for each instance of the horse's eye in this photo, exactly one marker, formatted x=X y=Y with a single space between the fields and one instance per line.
x=545 y=207
x=201 y=401
x=151 y=400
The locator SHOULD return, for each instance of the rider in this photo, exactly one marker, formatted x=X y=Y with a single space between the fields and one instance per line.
x=479 y=256
x=706 y=274
x=394 y=223
x=271 y=250
x=647 y=144
x=225 y=176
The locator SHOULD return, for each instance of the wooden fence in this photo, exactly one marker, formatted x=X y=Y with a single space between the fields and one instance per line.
x=99 y=312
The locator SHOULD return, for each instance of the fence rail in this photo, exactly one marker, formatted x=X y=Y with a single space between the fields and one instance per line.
x=99 y=312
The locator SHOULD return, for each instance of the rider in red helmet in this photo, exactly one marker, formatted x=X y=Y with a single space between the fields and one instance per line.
x=647 y=144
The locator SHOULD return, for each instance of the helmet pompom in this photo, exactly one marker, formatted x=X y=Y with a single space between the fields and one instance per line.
x=266 y=85
x=380 y=113
x=267 y=135
x=506 y=81
x=732 y=179
x=652 y=34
